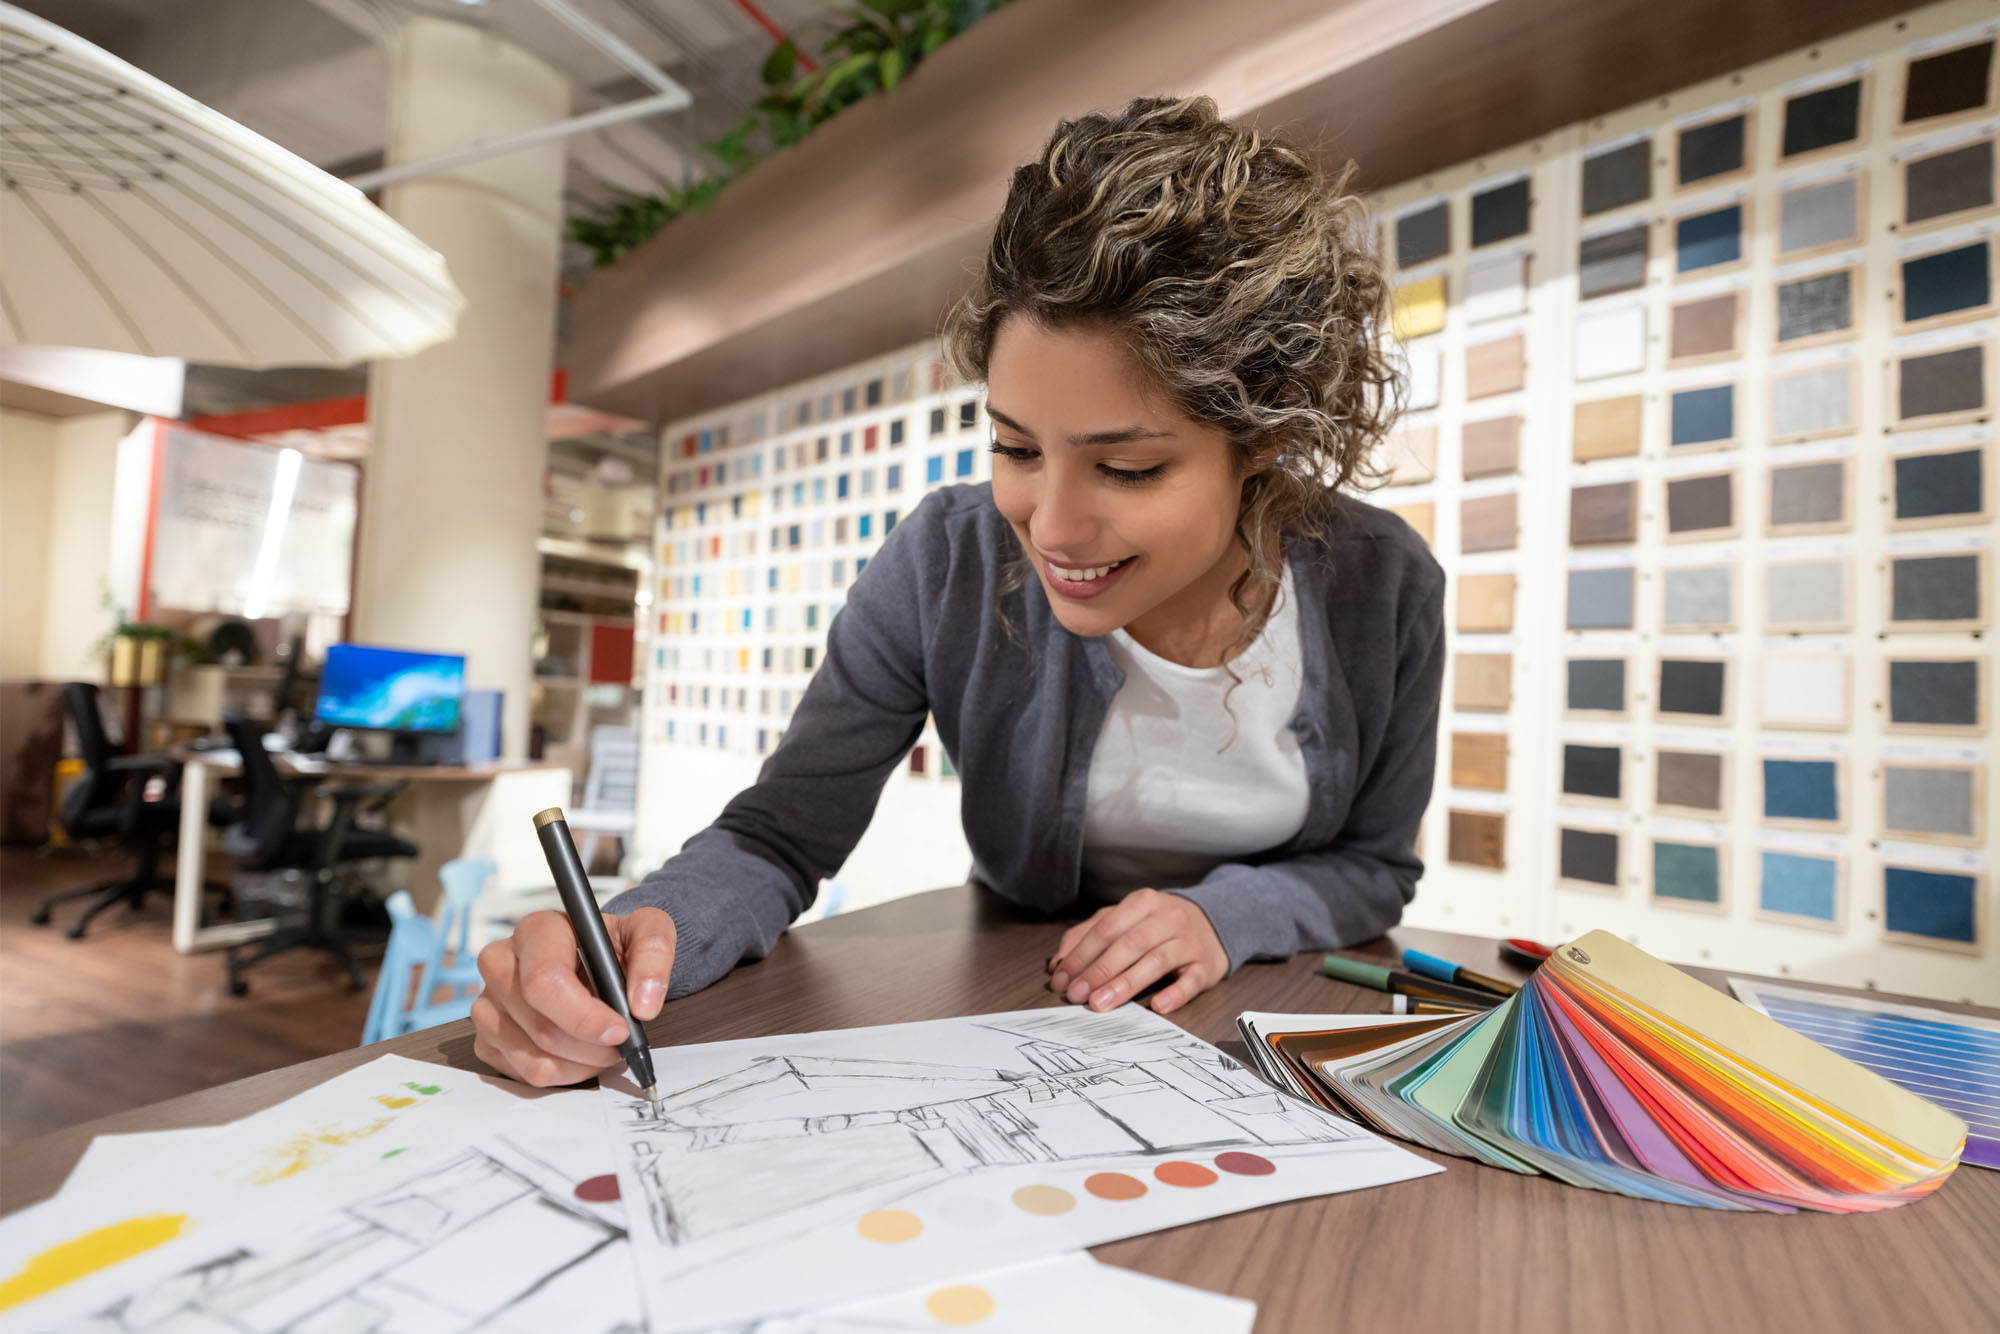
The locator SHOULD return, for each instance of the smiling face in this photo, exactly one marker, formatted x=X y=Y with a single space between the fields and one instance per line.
x=1126 y=508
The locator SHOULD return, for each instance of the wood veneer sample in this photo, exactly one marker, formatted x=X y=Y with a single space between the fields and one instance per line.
x=1482 y=682
x=1497 y=367
x=1490 y=448
x=1604 y=515
x=1485 y=604
x=1479 y=760
x=1421 y=517
x=1488 y=523
x=1411 y=456
x=1477 y=838
x=1704 y=506
x=1704 y=328
x=1606 y=428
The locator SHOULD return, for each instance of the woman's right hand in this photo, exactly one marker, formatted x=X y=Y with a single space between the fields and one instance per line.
x=538 y=1019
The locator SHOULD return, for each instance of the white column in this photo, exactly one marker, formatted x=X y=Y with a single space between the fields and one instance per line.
x=452 y=499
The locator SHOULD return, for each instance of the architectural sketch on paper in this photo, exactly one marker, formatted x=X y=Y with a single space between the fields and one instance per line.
x=472 y=1243
x=784 y=1133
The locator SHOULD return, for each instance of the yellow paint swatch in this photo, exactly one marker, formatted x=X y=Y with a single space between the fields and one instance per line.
x=960 y=1305
x=890 y=1225
x=309 y=1148
x=395 y=1102
x=1418 y=308
x=1046 y=1200
x=66 y=1262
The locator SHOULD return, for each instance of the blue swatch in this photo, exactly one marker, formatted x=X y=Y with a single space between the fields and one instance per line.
x=1800 y=886
x=1947 y=281
x=1937 y=904
x=1691 y=872
x=1707 y=239
x=1702 y=415
x=1801 y=790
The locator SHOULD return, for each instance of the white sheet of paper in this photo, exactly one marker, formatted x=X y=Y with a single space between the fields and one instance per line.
x=1063 y=1292
x=794 y=1173
x=310 y=1214
x=111 y=1157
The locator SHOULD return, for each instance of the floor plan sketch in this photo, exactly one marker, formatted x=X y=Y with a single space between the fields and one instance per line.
x=785 y=1131
x=472 y=1242
x=795 y=1173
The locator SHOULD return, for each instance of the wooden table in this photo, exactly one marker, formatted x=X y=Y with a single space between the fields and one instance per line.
x=485 y=809
x=1469 y=1248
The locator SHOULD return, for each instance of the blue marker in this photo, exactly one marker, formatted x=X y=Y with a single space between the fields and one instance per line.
x=1444 y=970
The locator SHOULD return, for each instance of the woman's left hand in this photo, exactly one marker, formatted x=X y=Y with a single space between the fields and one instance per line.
x=1119 y=951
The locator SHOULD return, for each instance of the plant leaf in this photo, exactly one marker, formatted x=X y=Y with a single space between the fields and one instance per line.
x=779 y=65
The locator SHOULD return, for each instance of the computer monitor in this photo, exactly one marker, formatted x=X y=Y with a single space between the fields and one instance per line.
x=390 y=689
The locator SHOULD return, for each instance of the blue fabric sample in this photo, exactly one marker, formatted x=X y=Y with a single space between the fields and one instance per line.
x=1800 y=790
x=1930 y=903
x=1800 y=886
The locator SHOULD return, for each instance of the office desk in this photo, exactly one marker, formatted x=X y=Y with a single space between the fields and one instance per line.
x=1469 y=1248
x=472 y=810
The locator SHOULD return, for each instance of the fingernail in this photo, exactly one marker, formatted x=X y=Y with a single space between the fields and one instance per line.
x=1079 y=991
x=1103 y=998
x=1061 y=982
x=651 y=996
x=613 y=1035
x=1053 y=964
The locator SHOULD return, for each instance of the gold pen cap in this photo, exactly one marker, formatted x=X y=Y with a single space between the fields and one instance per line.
x=548 y=817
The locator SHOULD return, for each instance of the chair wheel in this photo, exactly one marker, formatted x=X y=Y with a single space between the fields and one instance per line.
x=41 y=917
x=238 y=987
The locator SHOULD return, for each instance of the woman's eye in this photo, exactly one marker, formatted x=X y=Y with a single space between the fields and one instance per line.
x=1014 y=452
x=1132 y=476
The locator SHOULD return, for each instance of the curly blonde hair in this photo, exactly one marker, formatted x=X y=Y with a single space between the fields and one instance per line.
x=1240 y=277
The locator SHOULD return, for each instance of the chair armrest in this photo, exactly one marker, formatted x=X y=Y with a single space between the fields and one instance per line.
x=152 y=762
x=363 y=792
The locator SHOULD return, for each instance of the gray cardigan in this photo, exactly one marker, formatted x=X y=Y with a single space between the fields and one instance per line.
x=919 y=635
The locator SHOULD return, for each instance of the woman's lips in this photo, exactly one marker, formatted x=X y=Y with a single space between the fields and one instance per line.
x=1085 y=588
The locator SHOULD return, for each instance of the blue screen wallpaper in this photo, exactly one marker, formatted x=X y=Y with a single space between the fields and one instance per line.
x=390 y=689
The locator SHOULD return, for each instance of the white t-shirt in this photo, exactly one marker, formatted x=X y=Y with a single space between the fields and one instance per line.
x=1177 y=785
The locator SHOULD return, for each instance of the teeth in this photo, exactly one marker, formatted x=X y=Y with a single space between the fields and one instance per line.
x=1083 y=576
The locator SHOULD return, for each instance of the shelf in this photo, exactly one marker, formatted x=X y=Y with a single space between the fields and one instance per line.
x=827 y=254
x=585 y=589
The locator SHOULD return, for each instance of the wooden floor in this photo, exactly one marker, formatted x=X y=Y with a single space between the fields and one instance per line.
x=118 y=1020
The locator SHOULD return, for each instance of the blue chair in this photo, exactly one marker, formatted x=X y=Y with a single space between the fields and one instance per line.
x=465 y=879
x=412 y=942
x=414 y=966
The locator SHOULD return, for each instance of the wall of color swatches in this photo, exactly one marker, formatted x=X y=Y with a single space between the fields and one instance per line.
x=1700 y=427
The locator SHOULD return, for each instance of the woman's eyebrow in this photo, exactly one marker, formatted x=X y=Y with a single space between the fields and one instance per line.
x=1120 y=437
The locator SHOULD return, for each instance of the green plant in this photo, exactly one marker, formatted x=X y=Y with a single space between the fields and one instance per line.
x=873 y=52
x=177 y=644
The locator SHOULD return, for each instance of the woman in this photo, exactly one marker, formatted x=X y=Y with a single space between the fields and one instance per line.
x=1178 y=674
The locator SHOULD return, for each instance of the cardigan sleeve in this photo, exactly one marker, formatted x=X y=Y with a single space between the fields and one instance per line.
x=1355 y=888
x=734 y=887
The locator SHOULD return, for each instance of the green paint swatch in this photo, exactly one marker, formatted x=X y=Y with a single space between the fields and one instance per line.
x=428 y=1090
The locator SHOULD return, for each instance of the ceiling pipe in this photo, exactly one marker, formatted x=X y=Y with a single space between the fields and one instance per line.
x=668 y=96
x=562 y=129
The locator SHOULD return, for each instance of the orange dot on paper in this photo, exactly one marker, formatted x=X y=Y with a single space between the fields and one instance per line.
x=890 y=1225
x=1184 y=1174
x=961 y=1304
x=1114 y=1186
x=80 y=1257
x=1045 y=1200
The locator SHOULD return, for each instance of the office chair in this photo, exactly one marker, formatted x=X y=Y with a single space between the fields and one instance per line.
x=109 y=801
x=270 y=839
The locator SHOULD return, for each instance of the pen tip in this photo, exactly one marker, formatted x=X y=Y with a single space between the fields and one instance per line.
x=652 y=1092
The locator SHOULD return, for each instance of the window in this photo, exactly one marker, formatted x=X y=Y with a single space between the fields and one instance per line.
x=934 y=468
x=968 y=414
x=840 y=529
x=874 y=393
x=894 y=480
x=866 y=525
x=888 y=522
x=965 y=463
x=819 y=489
x=846 y=443
x=819 y=450
x=895 y=432
x=812 y=616
x=807 y=657
x=868 y=481
x=847 y=400
x=840 y=487
x=870 y=438
x=937 y=421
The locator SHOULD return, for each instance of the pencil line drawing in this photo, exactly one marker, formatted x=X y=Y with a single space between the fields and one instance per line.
x=782 y=1132
x=472 y=1243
